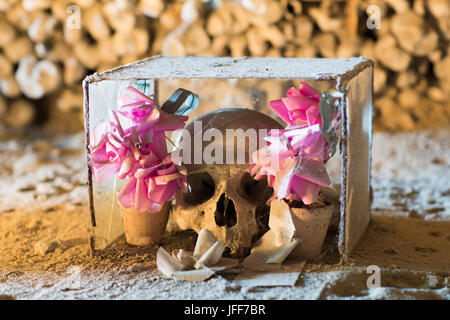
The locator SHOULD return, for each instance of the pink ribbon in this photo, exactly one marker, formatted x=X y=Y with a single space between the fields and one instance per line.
x=137 y=153
x=150 y=187
x=294 y=159
x=299 y=107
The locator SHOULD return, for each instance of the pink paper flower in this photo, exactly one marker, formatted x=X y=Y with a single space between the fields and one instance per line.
x=109 y=154
x=299 y=107
x=294 y=159
x=137 y=153
x=151 y=186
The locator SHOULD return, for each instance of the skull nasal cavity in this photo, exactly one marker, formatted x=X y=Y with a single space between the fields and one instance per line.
x=225 y=214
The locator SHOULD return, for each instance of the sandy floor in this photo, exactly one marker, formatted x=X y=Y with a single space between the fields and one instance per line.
x=44 y=228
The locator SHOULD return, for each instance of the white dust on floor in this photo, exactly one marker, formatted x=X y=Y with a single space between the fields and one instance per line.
x=411 y=174
x=347 y=283
x=416 y=164
x=38 y=175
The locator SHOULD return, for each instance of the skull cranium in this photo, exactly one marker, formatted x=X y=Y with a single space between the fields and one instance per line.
x=224 y=198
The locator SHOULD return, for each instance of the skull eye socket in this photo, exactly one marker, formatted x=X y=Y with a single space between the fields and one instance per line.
x=256 y=191
x=200 y=188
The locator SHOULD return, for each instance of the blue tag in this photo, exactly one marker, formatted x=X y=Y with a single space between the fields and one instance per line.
x=181 y=102
x=143 y=86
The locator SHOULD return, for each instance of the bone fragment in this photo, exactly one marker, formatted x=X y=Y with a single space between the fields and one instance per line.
x=205 y=240
x=166 y=263
x=276 y=244
x=211 y=256
x=194 y=275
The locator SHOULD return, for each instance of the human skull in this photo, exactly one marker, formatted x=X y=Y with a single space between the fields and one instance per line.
x=224 y=198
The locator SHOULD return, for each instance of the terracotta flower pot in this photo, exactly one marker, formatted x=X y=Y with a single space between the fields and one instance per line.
x=311 y=226
x=144 y=228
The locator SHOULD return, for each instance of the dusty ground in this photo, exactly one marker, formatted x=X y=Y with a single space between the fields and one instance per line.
x=44 y=227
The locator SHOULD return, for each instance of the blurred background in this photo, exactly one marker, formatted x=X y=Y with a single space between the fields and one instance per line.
x=48 y=47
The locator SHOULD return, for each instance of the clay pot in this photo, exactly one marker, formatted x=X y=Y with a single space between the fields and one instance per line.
x=144 y=228
x=311 y=226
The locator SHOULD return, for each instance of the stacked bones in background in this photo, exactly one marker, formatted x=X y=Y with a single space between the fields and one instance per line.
x=44 y=57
